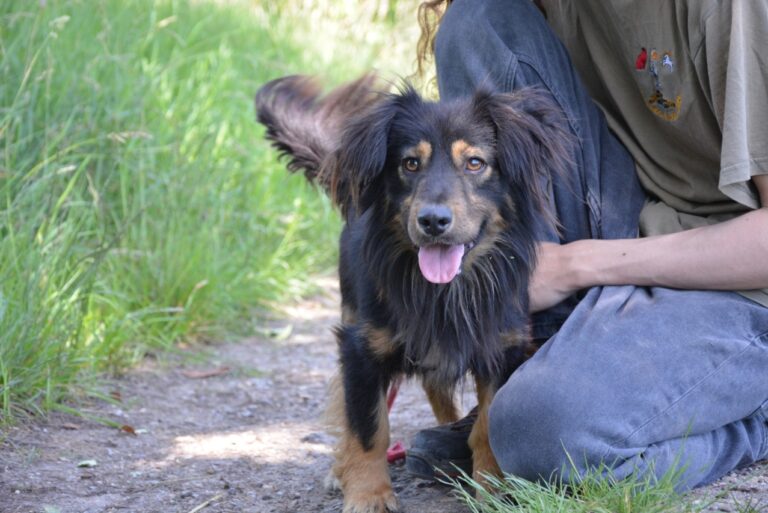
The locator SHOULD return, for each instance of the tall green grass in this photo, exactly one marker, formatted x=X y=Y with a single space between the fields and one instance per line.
x=139 y=204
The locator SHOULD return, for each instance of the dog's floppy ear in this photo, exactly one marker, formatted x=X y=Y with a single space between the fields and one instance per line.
x=362 y=155
x=304 y=125
x=533 y=142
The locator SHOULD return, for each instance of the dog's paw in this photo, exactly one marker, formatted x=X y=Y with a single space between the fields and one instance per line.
x=331 y=482
x=383 y=502
x=481 y=476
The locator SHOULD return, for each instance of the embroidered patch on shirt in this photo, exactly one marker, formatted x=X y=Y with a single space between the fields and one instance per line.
x=658 y=64
x=642 y=60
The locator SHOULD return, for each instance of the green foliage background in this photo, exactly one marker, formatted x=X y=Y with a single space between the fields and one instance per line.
x=139 y=204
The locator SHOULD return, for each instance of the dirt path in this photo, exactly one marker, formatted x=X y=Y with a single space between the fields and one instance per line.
x=247 y=439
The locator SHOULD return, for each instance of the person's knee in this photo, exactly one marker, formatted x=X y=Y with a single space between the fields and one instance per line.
x=538 y=429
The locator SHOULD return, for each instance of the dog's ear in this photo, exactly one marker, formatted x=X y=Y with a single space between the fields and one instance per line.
x=361 y=157
x=533 y=142
x=304 y=125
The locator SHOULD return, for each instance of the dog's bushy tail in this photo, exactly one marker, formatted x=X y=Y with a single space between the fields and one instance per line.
x=306 y=126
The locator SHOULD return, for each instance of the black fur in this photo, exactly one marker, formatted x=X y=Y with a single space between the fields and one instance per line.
x=364 y=380
x=439 y=331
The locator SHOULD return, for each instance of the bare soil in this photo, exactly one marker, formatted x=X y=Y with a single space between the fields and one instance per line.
x=231 y=428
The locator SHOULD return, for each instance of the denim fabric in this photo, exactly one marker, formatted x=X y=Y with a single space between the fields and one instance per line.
x=641 y=379
x=637 y=378
x=478 y=44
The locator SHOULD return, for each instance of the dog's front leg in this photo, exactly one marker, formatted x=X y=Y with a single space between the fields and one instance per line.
x=518 y=349
x=361 y=461
x=483 y=460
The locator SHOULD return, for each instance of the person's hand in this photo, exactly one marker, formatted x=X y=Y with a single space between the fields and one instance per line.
x=554 y=278
x=725 y=256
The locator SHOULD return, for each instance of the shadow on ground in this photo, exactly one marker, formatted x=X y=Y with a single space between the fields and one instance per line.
x=247 y=438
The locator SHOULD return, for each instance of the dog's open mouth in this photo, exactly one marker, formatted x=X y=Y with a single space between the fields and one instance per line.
x=441 y=263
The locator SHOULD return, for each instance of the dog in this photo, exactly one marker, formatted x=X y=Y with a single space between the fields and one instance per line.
x=444 y=203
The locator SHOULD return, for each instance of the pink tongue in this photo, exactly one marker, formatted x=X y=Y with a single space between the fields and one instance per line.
x=440 y=263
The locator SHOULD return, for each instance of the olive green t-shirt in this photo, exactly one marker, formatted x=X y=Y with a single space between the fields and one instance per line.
x=684 y=85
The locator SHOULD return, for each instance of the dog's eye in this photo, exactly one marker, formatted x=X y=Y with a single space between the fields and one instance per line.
x=475 y=164
x=411 y=164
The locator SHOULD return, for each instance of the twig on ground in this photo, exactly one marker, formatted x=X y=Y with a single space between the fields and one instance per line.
x=207 y=503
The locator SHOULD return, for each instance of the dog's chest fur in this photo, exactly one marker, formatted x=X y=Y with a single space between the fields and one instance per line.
x=438 y=332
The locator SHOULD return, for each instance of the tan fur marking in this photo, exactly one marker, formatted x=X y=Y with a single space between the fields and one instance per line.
x=483 y=460
x=463 y=221
x=520 y=338
x=363 y=475
x=424 y=151
x=461 y=150
x=514 y=338
x=458 y=151
x=489 y=239
x=379 y=341
x=443 y=404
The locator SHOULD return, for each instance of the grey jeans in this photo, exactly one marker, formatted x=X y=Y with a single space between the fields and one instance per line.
x=639 y=379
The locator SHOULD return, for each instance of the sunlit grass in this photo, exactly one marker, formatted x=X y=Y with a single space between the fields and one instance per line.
x=139 y=204
x=596 y=492
x=599 y=490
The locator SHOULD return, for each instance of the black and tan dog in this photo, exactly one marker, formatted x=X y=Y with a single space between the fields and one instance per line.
x=443 y=203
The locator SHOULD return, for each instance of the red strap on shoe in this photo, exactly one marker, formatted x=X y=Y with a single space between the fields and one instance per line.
x=396 y=452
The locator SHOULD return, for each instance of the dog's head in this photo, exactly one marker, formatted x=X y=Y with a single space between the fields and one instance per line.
x=451 y=178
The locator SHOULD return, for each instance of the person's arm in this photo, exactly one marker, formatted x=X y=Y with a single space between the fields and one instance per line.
x=732 y=255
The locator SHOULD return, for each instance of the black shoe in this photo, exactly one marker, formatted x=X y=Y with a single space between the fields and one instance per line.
x=442 y=450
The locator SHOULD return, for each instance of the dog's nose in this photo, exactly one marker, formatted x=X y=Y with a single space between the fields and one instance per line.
x=435 y=220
